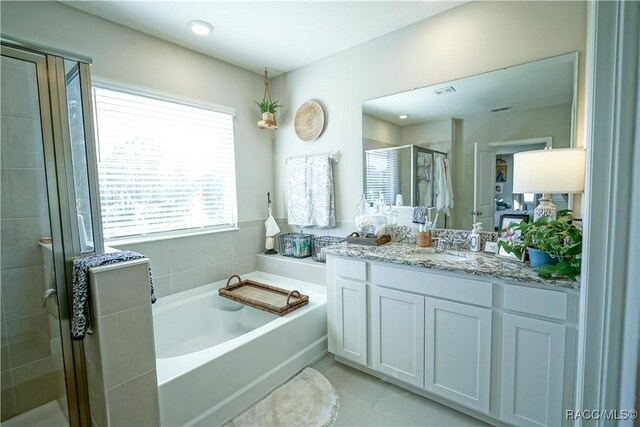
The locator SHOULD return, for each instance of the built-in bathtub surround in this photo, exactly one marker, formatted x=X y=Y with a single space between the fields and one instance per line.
x=120 y=355
x=183 y=263
x=217 y=357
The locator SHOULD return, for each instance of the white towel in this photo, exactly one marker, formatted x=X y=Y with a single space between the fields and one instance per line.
x=311 y=192
x=444 y=190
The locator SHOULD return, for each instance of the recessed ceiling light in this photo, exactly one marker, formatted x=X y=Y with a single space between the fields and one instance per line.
x=403 y=116
x=201 y=28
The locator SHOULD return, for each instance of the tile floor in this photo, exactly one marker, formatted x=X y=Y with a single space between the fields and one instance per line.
x=48 y=415
x=368 y=401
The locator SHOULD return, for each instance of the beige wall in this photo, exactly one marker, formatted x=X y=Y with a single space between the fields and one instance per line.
x=380 y=132
x=473 y=38
x=506 y=126
x=128 y=56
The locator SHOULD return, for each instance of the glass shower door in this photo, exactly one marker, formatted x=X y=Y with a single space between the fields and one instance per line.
x=48 y=190
x=33 y=378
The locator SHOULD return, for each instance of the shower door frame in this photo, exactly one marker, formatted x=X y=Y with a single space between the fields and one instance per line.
x=51 y=83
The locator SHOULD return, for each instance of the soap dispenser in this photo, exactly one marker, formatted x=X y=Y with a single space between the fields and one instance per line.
x=474 y=237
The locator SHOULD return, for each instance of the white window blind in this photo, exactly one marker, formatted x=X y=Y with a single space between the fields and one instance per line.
x=382 y=175
x=163 y=166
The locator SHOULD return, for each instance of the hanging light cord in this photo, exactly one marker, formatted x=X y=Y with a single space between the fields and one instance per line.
x=266 y=95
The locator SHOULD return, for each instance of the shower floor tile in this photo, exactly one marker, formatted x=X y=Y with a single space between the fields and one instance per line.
x=49 y=415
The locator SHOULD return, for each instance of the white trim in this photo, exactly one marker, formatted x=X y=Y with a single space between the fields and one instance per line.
x=164 y=96
x=548 y=140
x=167 y=235
x=611 y=104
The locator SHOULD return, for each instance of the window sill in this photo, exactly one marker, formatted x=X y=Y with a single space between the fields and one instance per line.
x=165 y=236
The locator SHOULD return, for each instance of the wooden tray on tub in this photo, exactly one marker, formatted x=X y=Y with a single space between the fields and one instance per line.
x=263 y=297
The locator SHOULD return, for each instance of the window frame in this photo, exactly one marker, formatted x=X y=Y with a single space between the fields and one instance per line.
x=102 y=83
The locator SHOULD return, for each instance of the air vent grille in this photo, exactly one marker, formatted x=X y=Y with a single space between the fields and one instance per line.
x=444 y=90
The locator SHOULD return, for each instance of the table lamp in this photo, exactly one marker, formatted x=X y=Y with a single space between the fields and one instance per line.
x=547 y=172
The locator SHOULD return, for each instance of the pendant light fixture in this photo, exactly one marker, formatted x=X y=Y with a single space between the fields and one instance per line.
x=267 y=107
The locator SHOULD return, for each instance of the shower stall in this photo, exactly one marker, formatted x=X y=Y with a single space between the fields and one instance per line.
x=49 y=216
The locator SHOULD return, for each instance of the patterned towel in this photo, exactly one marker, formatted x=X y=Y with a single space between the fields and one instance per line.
x=81 y=315
x=311 y=193
x=419 y=215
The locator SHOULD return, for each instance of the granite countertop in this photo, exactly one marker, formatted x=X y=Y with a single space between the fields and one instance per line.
x=476 y=263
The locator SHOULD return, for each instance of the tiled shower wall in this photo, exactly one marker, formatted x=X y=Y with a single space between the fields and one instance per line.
x=30 y=345
x=184 y=263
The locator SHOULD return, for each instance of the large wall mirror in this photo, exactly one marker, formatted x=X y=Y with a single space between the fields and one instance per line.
x=459 y=137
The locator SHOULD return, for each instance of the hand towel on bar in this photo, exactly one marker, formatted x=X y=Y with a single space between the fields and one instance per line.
x=311 y=192
x=81 y=315
x=444 y=190
x=419 y=215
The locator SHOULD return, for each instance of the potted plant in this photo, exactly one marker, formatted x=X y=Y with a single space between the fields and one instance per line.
x=268 y=108
x=554 y=245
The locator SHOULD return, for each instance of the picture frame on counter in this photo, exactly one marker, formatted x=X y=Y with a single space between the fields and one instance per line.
x=491 y=247
x=504 y=254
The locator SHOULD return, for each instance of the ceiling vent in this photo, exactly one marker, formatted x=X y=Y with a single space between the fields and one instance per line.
x=497 y=110
x=444 y=90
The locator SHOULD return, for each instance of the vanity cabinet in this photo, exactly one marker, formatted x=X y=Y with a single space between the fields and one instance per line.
x=497 y=350
x=397 y=334
x=351 y=325
x=533 y=357
x=458 y=352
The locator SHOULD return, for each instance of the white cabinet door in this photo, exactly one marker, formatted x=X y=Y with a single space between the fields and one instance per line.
x=351 y=310
x=532 y=371
x=458 y=352
x=397 y=334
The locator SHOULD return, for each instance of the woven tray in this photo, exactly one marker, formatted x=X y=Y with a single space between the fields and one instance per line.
x=263 y=297
x=370 y=240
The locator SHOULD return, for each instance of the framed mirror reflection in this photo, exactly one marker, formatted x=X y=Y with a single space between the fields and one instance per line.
x=476 y=124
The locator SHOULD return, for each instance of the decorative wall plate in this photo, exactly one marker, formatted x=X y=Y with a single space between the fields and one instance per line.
x=309 y=121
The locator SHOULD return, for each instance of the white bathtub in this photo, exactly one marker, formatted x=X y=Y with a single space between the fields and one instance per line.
x=216 y=357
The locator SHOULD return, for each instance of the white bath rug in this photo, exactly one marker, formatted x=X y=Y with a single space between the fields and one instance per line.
x=308 y=399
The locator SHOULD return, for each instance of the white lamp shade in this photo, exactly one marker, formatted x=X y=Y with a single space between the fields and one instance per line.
x=549 y=171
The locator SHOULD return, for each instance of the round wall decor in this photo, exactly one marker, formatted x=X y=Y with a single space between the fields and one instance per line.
x=309 y=121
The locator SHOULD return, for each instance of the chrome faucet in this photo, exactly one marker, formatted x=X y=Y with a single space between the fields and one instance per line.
x=49 y=293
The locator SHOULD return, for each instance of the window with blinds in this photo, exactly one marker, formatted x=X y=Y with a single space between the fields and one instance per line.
x=163 y=166
x=382 y=175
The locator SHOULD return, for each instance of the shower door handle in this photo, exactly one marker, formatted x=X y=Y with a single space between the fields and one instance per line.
x=49 y=293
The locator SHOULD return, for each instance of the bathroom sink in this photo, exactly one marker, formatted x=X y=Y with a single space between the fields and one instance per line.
x=438 y=256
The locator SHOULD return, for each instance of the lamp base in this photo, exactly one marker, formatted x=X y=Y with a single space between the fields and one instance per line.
x=545 y=208
x=270 y=252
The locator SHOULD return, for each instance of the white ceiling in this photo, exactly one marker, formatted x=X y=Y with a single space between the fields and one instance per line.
x=532 y=85
x=281 y=35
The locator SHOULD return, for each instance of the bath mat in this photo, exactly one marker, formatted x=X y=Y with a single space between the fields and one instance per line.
x=308 y=399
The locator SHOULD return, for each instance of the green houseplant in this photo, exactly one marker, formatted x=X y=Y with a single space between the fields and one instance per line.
x=268 y=106
x=560 y=238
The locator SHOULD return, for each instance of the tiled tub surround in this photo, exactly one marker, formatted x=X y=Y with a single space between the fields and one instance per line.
x=119 y=355
x=476 y=263
x=183 y=263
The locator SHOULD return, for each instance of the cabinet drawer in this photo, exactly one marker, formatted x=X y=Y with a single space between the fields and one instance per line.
x=540 y=302
x=432 y=284
x=351 y=269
